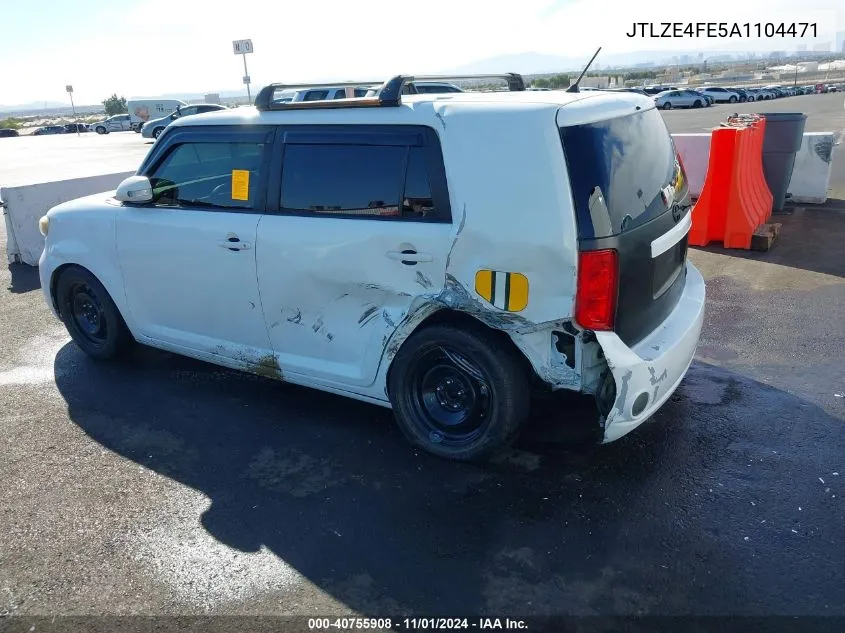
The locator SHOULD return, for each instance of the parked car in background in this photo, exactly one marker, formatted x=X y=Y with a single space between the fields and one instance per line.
x=152 y=129
x=832 y=88
x=708 y=99
x=321 y=93
x=655 y=90
x=744 y=94
x=49 y=129
x=74 y=128
x=721 y=95
x=8 y=132
x=116 y=123
x=678 y=99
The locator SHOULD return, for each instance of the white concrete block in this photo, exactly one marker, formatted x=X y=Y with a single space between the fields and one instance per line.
x=811 y=173
x=23 y=206
x=694 y=150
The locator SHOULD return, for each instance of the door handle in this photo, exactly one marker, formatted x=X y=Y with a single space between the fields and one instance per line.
x=234 y=244
x=409 y=257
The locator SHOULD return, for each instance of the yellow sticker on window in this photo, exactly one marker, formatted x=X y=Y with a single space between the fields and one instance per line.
x=240 y=184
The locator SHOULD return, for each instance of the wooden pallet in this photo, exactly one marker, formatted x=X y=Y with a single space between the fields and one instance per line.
x=764 y=236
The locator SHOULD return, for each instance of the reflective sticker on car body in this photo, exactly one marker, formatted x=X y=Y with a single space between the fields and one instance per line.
x=505 y=290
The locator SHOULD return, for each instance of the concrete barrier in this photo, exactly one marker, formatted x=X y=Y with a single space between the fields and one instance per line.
x=810 y=176
x=24 y=205
x=694 y=150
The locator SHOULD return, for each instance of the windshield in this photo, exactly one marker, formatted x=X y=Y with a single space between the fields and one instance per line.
x=619 y=169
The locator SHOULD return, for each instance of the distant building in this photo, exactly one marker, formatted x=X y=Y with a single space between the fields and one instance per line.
x=596 y=82
x=212 y=97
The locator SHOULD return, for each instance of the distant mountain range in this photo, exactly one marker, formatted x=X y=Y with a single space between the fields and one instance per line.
x=531 y=63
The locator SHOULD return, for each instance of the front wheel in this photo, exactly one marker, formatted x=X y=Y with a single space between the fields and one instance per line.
x=459 y=393
x=750 y=99
x=697 y=104
x=667 y=106
x=732 y=99
x=157 y=132
x=89 y=314
x=101 y=130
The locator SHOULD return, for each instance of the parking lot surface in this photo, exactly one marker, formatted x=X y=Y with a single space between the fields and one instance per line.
x=28 y=160
x=162 y=485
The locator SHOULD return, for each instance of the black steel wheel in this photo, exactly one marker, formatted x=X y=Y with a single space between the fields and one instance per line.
x=459 y=393
x=89 y=314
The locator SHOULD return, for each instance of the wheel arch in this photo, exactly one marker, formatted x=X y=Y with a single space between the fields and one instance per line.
x=437 y=314
x=114 y=293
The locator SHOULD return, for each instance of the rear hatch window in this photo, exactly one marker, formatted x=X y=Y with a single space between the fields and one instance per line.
x=629 y=190
x=619 y=170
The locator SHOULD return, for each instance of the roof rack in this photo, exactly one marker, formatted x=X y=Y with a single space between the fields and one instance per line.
x=389 y=93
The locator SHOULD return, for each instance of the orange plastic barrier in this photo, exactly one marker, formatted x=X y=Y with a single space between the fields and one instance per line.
x=735 y=199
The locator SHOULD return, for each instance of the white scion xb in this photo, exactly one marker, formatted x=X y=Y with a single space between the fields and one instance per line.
x=442 y=254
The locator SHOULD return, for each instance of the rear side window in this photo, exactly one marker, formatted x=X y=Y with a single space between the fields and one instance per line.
x=216 y=175
x=618 y=169
x=358 y=180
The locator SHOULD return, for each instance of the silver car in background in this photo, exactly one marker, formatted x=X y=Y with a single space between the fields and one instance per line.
x=154 y=128
x=679 y=99
x=721 y=95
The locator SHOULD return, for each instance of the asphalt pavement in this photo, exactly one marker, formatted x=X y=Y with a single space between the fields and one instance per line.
x=162 y=485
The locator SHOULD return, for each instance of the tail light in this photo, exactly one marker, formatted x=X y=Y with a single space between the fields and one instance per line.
x=598 y=284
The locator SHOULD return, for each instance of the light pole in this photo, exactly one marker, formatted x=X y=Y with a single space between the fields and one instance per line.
x=69 y=90
x=242 y=47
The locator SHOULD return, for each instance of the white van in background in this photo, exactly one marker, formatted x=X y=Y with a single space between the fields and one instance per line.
x=142 y=110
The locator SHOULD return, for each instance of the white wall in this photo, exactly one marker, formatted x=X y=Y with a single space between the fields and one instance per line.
x=810 y=175
x=23 y=206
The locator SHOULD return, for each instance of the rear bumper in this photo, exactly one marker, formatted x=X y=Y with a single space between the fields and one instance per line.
x=649 y=372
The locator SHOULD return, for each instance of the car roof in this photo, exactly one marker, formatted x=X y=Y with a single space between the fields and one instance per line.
x=428 y=109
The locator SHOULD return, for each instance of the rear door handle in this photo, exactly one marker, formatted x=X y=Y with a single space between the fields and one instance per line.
x=234 y=244
x=409 y=257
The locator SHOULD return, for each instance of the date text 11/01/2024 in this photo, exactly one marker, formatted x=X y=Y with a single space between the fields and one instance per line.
x=723 y=29
x=416 y=624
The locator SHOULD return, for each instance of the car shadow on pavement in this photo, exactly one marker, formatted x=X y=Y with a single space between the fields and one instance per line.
x=24 y=278
x=658 y=522
x=811 y=238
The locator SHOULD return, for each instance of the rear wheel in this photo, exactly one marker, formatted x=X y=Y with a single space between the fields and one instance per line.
x=732 y=99
x=667 y=106
x=697 y=104
x=458 y=392
x=157 y=132
x=89 y=314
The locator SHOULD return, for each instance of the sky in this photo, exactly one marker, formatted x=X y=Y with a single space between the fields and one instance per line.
x=153 y=47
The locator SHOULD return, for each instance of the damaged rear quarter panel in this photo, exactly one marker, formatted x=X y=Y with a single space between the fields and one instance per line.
x=512 y=213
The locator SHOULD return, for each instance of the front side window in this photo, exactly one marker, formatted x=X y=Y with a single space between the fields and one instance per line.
x=214 y=175
x=358 y=180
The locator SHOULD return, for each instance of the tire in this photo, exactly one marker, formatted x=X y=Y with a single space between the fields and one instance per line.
x=667 y=106
x=157 y=132
x=697 y=104
x=458 y=393
x=732 y=99
x=101 y=130
x=750 y=99
x=90 y=316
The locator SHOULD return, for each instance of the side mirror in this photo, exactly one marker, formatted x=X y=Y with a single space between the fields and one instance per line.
x=137 y=189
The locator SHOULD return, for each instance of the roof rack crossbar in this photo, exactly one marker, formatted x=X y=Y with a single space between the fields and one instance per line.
x=389 y=93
